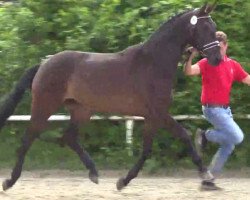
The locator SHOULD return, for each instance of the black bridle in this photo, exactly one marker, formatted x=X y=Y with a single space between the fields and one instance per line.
x=207 y=46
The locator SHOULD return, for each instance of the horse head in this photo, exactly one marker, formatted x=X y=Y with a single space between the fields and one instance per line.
x=202 y=34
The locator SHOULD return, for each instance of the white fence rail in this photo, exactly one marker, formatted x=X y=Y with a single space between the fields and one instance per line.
x=97 y=117
x=129 y=121
x=118 y=118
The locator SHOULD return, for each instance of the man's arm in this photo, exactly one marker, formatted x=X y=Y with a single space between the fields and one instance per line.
x=246 y=80
x=189 y=69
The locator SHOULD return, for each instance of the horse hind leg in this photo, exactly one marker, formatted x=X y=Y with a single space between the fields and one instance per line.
x=31 y=133
x=70 y=138
x=42 y=107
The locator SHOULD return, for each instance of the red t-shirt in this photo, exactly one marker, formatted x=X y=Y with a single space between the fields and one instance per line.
x=217 y=81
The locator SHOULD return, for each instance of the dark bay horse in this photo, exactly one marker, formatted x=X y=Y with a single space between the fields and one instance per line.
x=135 y=81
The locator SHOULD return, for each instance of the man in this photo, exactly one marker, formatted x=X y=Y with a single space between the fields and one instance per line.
x=216 y=86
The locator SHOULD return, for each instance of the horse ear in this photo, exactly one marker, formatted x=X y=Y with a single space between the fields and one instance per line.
x=203 y=9
x=206 y=9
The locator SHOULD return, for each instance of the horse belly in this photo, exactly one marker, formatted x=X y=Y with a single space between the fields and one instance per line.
x=118 y=105
x=100 y=98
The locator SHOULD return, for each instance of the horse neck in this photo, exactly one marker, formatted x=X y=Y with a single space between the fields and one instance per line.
x=166 y=46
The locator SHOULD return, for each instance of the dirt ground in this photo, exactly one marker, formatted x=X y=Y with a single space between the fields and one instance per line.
x=65 y=185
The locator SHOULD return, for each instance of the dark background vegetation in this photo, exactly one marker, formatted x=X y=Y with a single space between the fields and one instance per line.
x=32 y=29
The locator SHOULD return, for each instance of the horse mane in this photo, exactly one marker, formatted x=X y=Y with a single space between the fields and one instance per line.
x=165 y=29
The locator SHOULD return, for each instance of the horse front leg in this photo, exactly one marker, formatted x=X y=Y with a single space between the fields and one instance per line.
x=179 y=132
x=148 y=135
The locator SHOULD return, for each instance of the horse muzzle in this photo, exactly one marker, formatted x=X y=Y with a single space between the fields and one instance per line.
x=214 y=60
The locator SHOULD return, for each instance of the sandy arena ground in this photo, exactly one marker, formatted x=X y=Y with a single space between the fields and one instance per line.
x=64 y=185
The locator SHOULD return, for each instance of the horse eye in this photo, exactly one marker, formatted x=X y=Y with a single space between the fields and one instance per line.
x=208 y=26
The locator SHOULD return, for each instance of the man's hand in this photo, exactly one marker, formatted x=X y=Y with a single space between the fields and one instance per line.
x=193 y=52
x=247 y=80
x=190 y=69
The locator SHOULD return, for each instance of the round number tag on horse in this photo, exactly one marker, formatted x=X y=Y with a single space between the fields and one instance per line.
x=193 y=20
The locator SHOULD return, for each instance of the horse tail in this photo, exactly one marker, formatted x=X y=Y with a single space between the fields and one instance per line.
x=10 y=101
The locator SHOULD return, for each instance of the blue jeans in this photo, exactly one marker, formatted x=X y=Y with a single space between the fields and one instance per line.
x=226 y=133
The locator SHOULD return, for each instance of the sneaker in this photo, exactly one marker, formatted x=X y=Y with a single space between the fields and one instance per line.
x=200 y=141
x=209 y=186
x=207 y=176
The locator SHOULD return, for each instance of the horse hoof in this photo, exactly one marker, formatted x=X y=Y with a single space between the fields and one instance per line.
x=93 y=178
x=209 y=186
x=6 y=185
x=120 y=184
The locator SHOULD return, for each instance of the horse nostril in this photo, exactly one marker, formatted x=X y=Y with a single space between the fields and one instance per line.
x=217 y=61
x=214 y=61
x=219 y=58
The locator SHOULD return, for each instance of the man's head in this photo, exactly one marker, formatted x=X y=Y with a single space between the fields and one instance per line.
x=222 y=38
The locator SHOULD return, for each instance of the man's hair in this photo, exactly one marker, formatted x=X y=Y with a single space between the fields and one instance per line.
x=221 y=36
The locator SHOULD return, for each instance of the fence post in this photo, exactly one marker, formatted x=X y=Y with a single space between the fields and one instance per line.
x=129 y=135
